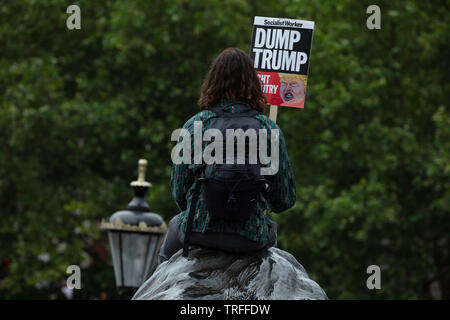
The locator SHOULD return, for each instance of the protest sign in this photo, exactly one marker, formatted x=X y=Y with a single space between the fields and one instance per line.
x=280 y=51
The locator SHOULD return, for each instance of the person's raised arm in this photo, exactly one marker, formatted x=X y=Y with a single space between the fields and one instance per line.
x=281 y=194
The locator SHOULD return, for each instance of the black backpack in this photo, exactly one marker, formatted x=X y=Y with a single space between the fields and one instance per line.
x=230 y=189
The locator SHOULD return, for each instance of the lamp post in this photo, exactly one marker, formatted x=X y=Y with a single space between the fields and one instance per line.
x=135 y=236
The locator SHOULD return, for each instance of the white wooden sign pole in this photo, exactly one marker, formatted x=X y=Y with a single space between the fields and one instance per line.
x=273 y=113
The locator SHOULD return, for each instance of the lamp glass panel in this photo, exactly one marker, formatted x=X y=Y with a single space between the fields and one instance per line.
x=152 y=259
x=114 y=244
x=134 y=249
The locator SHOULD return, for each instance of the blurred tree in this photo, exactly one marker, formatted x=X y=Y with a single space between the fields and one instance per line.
x=372 y=154
x=79 y=107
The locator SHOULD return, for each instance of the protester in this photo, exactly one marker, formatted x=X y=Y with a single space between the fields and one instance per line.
x=231 y=91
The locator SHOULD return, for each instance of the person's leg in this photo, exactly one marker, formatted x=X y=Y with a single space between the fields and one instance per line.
x=234 y=243
x=172 y=242
x=225 y=241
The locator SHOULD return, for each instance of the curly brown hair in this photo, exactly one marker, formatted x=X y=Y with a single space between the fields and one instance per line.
x=232 y=77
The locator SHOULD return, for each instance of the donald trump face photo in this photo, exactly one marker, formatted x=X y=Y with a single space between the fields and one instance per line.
x=292 y=88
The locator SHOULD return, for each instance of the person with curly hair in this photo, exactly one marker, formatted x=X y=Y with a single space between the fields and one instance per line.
x=231 y=86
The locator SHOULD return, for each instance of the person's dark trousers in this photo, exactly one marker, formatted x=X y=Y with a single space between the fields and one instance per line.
x=229 y=242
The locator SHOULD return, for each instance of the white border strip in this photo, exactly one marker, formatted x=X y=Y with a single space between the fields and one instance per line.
x=283 y=22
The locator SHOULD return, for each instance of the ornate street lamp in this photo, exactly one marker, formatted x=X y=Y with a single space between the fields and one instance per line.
x=135 y=236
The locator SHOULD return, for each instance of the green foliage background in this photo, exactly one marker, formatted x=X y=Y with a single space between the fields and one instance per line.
x=370 y=150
